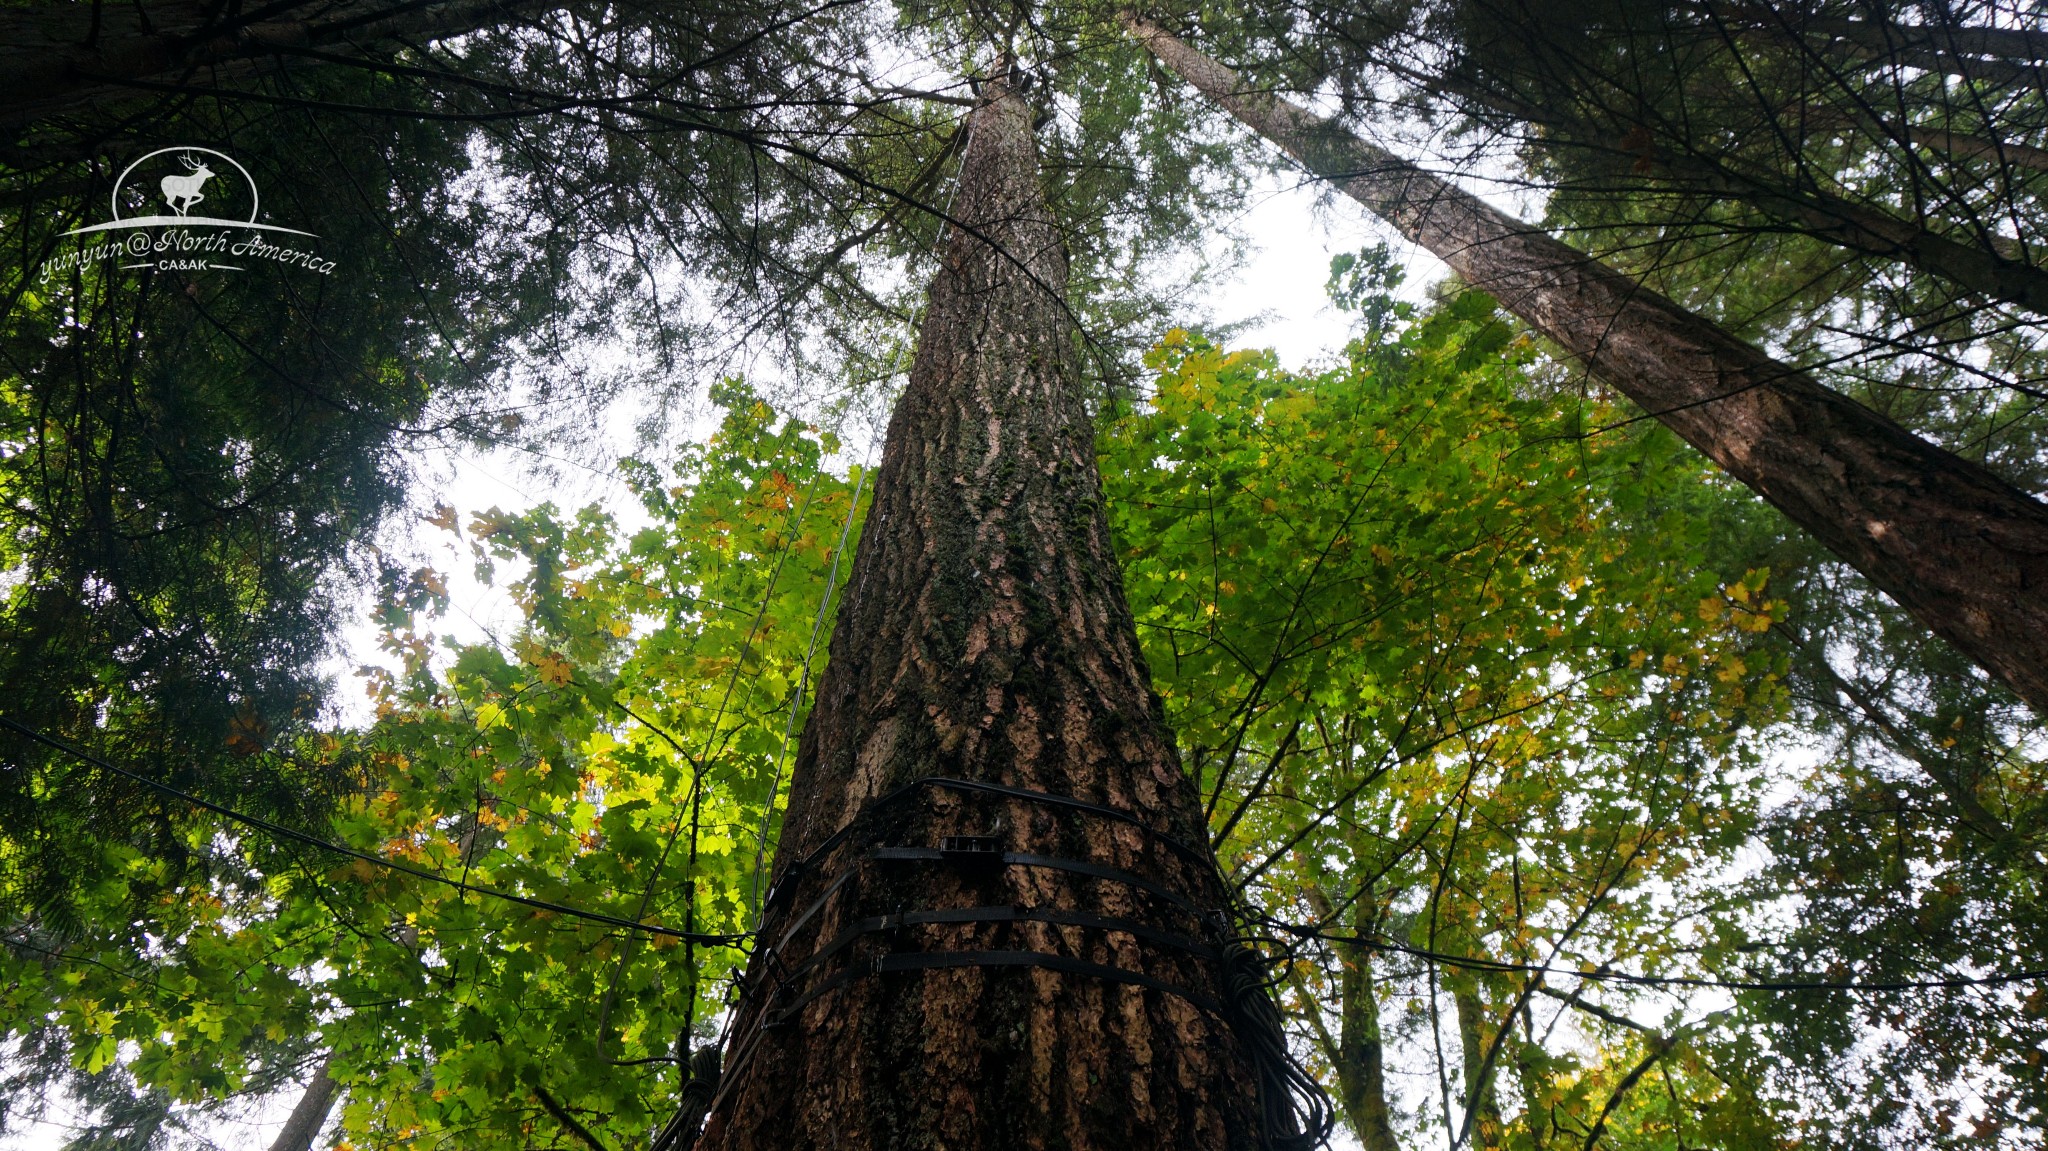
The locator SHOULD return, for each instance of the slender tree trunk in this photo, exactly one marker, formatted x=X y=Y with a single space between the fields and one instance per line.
x=1942 y=769
x=1956 y=51
x=1979 y=147
x=1858 y=228
x=1045 y=982
x=1356 y=1053
x=1361 y=1062
x=1538 y=1093
x=1961 y=549
x=309 y=1114
x=1929 y=43
x=2009 y=43
x=1483 y=1109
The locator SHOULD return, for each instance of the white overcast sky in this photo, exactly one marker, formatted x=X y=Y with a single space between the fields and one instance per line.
x=1279 y=287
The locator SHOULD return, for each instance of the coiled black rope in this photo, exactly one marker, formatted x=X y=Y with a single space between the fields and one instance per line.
x=680 y=1134
x=1294 y=1111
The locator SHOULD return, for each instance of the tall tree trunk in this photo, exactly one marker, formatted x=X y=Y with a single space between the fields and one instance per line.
x=1960 y=548
x=309 y=1114
x=1047 y=979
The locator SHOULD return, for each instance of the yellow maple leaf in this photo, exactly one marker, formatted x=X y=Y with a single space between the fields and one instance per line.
x=553 y=668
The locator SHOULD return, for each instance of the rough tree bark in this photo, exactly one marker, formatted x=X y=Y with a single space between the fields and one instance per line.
x=907 y=996
x=1961 y=549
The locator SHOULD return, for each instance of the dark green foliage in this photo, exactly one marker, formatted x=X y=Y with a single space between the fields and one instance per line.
x=196 y=464
x=1366 y=672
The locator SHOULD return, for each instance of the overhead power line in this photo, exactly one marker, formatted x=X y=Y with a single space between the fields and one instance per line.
x=280 y=831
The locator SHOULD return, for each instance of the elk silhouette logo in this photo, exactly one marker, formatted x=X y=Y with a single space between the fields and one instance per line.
x=181 y=192
x=226 y=235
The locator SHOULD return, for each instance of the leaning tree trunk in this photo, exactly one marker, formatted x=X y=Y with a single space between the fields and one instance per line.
x=1830 y=219
x=1961 y=549
x=310 y=1113
x=994 y=915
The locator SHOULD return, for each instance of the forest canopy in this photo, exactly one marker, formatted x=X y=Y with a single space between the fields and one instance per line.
x=1582 y=760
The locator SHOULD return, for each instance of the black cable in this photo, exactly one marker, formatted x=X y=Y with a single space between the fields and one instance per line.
x=1299 y=931
x=280 y=831
x=1295 y=1113
x=1477 y=963
x=783 y=882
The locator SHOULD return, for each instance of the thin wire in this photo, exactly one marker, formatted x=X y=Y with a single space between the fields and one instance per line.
x=803 y=685
x=280 y=831
x=712 y=745
x=726 y=1041
x=1477 y=963
x=916 y=326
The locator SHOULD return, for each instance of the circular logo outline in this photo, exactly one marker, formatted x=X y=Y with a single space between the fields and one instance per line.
x=114 y=200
